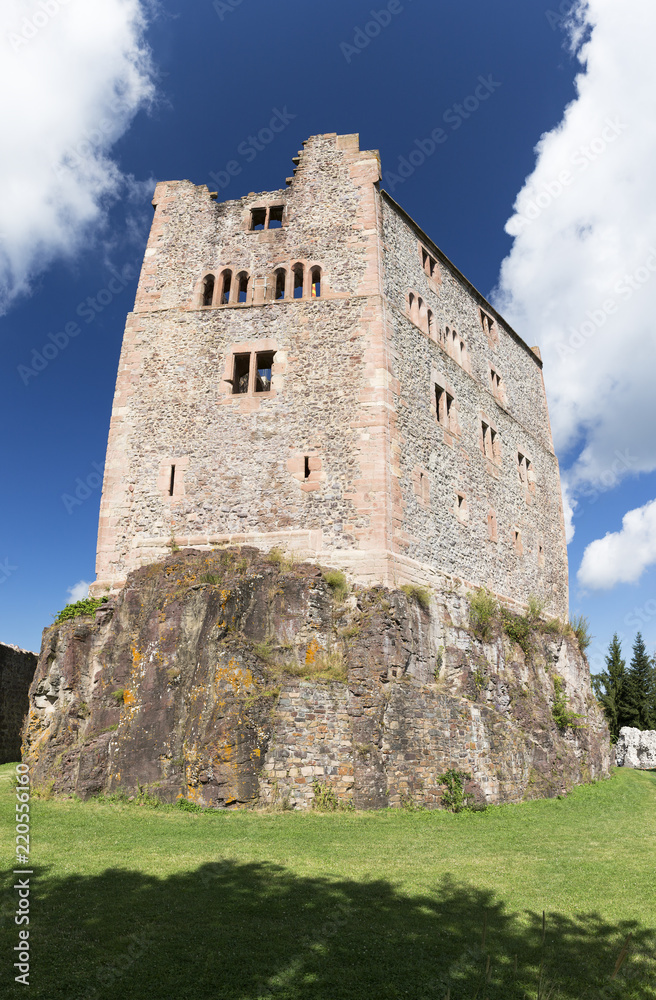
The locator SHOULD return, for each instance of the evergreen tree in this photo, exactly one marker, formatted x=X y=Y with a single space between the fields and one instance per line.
x=613 y=680
x=636 y=705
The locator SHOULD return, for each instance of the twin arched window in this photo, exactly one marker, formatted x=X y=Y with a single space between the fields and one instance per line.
x=297 y=283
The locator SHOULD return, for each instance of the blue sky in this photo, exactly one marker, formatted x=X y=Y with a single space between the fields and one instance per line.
x=177 y=94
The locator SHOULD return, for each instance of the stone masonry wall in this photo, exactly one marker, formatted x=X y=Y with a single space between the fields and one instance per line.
x=17 y=668
x=430 y=527
x=344 y=459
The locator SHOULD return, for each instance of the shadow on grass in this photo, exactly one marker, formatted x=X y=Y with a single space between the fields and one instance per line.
x=246 y=931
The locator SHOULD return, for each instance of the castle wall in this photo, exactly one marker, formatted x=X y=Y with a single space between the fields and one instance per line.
x=347 y=458
x=17 y=668
x=435 y=463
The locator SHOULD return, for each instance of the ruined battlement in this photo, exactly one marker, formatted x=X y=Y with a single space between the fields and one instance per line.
x=305 y=368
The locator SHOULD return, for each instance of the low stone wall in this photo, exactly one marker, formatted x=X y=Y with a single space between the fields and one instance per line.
x=17 y=668
x=230 y=679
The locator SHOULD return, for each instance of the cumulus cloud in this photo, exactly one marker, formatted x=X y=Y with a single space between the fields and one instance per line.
x=621 y=556
x=580 y=278
x=73 y=75
x=78 y=591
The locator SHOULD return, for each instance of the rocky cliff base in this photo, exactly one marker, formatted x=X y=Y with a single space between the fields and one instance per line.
x=234 y=678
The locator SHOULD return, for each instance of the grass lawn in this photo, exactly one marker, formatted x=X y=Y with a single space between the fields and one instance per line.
x=141 y=902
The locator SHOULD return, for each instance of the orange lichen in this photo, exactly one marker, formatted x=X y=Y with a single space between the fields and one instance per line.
x=313 y=648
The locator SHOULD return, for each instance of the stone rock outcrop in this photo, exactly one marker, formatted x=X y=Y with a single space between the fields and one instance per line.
x=17 y=668
x=636 y=748
x=230 y=678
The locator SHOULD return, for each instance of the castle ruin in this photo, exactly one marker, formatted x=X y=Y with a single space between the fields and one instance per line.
x=304 y=368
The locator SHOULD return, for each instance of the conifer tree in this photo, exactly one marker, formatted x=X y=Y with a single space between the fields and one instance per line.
x=613 y=681
x=636 y=705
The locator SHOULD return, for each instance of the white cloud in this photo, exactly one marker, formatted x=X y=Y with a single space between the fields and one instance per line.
x=621 y=556
x=78 y=591
x=73 y=75
x=580 y=279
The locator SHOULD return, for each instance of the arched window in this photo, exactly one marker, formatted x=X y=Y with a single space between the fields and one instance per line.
x=208 y=290
x=298 y=281
x=281 y=278
x=225 y=287
x=431 y=325
x=315 y=278
x=242 y=287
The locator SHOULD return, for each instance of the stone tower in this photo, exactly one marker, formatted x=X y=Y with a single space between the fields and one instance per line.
x=305 y=368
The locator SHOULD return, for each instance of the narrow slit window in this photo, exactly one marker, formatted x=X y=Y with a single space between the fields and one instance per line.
x=431 y=325
x=242 y=291
x=298 y=281
x=316 y=282
x=263 y=366
x=258 y=218
x=208 y=290
x=443 y=407
x=307 y=467
x=280 y=284
x=225 y=288
x=275 y=217
x=172 y=481
x=241 y=373
x=492 y=526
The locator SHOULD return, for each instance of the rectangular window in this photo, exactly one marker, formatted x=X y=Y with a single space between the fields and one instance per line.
x=240 y=373
x=263 y=365
x=258 y=218
x=495 y=381
x=242 y=382
x=490 y=442
x=267 y=218
x=172 y=481
x=275 y=217
x=444 y=407
x=428 y=263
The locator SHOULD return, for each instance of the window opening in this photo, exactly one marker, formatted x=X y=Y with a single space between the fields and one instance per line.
x=275 y=217
x=240 y=374
x=307 y=467
x=492 y=526
x=242 y=292
x=496 y=382
x=263 y=365
x=490 y=444
x=280 y=284
x=258 y=218
x=443 y=406
x=225 y=290
x=298 y=281
x=428 y=263
x=208 y=290
x=431 y=325
x=316 y=282
x=172 y=481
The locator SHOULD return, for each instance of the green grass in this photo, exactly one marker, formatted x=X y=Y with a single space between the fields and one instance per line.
x=141 y=902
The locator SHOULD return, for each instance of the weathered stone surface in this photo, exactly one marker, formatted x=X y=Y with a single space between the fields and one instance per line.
x=636 y=748
x=207 y=677
x=17 y=668
x=394 y=491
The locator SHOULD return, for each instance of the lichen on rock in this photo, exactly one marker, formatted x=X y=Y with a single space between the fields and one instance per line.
x=230 y=678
